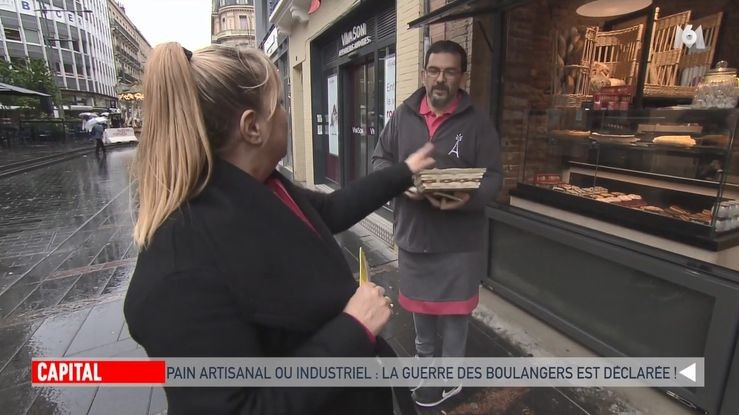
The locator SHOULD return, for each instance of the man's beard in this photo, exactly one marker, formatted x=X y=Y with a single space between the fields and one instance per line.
x=440 y=102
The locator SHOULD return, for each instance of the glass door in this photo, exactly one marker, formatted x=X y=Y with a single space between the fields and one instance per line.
x=361 y=118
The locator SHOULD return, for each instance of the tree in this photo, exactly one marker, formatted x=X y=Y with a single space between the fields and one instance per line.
x=34 y=75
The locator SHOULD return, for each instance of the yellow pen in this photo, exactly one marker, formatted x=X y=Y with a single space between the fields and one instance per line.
x=363 y=267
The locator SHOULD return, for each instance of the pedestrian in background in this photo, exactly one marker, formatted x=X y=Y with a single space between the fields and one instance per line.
x=235 y=260
x=441 y=241
x=98 y=130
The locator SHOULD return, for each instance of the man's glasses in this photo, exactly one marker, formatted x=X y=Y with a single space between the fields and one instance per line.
x=433 y=72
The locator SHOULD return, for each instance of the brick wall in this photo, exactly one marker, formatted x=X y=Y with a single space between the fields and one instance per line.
x=481 y=60
x=409 y=48
x=460 y=31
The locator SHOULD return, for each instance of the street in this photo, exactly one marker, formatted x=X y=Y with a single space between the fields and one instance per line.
x=66 y=258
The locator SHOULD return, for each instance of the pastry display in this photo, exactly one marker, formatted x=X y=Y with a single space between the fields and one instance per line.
x=675 y=140
x=653 y=209
x=727 y=211
x=614 y=138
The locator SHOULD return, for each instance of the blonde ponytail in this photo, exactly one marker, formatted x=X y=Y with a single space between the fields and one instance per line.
x=191 y=105
x=174 y=157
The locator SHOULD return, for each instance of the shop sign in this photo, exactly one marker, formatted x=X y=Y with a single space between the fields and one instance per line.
x=389 y=87
x=354 y=39
x=689 y=37
x=333 y=118
x=270 y=44
x=49 y=11
x=361 y=130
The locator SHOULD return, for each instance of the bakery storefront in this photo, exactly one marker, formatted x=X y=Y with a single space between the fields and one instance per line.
x=620 y=222
x=353 y=84
x=276 y=47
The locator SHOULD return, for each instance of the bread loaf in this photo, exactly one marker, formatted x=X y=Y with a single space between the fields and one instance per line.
x=675 y=140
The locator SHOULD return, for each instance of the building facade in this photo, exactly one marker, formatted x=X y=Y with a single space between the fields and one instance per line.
x=274 y=43
x=350 y=63
x=232 y=23
x=130 y=48
x=73 y=37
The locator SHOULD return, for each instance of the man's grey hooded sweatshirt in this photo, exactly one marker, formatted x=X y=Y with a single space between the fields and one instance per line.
x=466 y=139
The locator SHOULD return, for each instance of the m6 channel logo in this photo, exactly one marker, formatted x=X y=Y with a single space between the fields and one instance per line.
x=689 y=37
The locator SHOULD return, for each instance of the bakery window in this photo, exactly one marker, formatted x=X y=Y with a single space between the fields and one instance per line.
x=668 y=172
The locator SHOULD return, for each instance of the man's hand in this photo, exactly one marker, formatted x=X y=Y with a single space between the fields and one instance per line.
x=413 y=193
x=443 y=203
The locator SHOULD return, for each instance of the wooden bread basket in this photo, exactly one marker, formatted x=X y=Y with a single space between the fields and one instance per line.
x=448 y=180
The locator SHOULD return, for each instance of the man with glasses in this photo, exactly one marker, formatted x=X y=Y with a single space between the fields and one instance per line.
x=441 y=240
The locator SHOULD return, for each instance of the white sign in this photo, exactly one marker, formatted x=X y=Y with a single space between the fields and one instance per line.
x=333 y=115
x=354 y=39
x=270 y=44
x=389 y=87
x=357 y=32
x=119 y=135
x=689 y=37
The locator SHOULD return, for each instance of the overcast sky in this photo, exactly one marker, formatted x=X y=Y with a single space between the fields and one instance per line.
x=183 y=21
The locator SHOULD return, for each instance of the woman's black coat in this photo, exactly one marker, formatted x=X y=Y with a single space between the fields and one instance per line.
x=235 y=273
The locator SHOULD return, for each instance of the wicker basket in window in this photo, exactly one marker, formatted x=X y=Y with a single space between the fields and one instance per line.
x=448 y=180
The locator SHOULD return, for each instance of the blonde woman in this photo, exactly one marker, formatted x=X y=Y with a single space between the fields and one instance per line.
x=235 y=260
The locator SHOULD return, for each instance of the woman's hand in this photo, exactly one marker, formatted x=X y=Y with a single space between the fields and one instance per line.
x=421 y=159
x=370 y=307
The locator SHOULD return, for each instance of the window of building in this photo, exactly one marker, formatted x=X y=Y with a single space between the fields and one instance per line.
x=67 y=68
x=243 y=23
x=18 y=62
x=12 y=34
x=57 y=68
x=32 y=36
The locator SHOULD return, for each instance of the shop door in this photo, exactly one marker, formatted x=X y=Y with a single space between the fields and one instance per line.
x=362 y=120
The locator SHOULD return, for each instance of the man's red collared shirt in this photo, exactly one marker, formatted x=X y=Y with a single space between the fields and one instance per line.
x=433 y=121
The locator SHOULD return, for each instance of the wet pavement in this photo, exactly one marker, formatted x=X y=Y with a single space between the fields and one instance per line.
x=66 y=257
x=33 y=151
